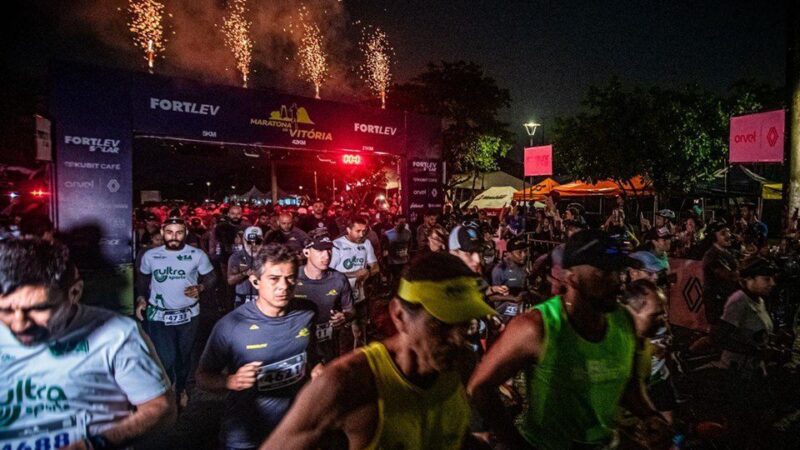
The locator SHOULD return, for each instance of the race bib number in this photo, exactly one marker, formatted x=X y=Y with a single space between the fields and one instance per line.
x=172 y=318
x=512 y=310
x=402 y=253
x=51 y=435
x=324 y=332
x=250 y=298
x=282 y=373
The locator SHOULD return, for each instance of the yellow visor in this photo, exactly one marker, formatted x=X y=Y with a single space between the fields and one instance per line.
x=453 y=301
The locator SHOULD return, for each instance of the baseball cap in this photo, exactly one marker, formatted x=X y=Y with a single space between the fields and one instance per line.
x=151 y=216
x=519 y=243
x=467 y=238
x=453 y=301
x=319 y=241
x=596 y=248
x=649 y=262
x=666 y=213
x=757 y=266
x=252 y=234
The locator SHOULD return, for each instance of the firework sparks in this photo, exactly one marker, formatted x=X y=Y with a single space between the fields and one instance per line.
x=237 y=37
x=378 y=58
x=313 y=60
x=145 y=24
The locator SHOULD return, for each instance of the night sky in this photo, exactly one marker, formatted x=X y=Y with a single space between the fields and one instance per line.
x=546 y=53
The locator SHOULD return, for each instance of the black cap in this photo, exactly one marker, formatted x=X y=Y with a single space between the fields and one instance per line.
x=151 y=216
x=173 y=221
x=319 y=241
x=596 y=248
x=468 y=238
x=758 y=266
x=519 y=243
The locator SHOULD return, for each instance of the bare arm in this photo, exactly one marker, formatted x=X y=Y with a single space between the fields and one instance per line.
x=518 y=347
x=322 y=405
x=158 y=411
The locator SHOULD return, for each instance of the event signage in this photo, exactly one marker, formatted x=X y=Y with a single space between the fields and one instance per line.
x=424 y=185
x=757 y=138
x=538 y=160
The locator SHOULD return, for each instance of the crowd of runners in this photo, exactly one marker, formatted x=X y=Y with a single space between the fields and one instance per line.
x=342 y=327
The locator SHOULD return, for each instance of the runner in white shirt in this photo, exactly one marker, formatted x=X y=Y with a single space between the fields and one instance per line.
x=171 y=273
x=73 y=376
x=354 y=256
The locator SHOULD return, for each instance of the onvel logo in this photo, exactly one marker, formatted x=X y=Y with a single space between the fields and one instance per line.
x=748 y=137
x=183 y=107
x=295 y=121
x=169 y=272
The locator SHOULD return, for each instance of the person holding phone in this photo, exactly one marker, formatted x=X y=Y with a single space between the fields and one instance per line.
x=241 y=266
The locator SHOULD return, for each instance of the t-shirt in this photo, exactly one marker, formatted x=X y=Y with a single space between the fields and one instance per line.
x=508 y=274
x=750 y=317
x=295 y=239
x=331 y=292
x=241 y=262
x=172 y=272
x=716 y=290
x=399 y=244
x=349 y=256
x=89 y=377
x=282 y=344
x=310 y=223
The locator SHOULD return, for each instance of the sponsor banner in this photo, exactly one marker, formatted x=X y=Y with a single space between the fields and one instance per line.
x=94 y=179
x=424 y=185
x=686 y=307
x=538 y=160
x=757 y=137
x=182 y=108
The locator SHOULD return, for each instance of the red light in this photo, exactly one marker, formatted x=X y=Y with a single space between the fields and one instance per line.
x=38 y=193
x=351 y=159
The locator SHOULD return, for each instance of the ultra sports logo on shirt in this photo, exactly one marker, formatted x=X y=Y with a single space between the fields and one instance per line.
x=354 y=261
x=161 y=275
x=28 y=398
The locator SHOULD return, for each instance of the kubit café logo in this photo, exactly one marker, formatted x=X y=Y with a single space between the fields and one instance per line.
x=295 y=121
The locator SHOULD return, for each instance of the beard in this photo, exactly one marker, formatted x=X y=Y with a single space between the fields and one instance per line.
x=236 y=221
x=175 y=244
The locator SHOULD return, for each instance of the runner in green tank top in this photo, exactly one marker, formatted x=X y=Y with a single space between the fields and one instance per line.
x=579 y=354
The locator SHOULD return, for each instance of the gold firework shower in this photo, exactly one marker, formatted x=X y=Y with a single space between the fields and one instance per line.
x=237 y=37
x=378 y=58
x=313 y=60
x=147 y=29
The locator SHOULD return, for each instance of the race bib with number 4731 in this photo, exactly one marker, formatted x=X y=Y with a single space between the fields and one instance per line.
x=51 y=435
x=177 y=317
x=282 y=373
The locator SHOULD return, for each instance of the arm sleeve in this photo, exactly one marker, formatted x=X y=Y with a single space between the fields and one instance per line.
x=371 y=259
x=335 y=258
x=137 y=369
x=204 y=266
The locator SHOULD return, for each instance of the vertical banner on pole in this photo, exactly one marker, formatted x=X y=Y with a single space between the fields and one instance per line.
x=538 y=160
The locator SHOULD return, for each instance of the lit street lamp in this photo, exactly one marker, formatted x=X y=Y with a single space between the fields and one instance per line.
x=530 y=128
x=208 y=189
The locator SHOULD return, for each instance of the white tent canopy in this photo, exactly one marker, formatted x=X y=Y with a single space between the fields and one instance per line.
x=488 y=180
x=494 y=198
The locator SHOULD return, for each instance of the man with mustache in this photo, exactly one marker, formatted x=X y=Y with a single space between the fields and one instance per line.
x=73 y=376
x=169 y=292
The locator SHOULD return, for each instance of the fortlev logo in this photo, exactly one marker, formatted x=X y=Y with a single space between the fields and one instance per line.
x=427 y=166
x=290 y=119
x=202 y=109
x=94 y=144
x=374 y=129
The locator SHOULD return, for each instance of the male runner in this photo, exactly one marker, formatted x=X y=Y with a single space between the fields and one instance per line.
x=354 y=256
x=405 y=391
x=73 y=376
x=242 y=264
x=328 y=289
x=170 y=312
x=261 y=352
x=578 y=351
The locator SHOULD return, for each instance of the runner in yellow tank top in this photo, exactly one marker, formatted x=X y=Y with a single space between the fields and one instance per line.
x=406 y=392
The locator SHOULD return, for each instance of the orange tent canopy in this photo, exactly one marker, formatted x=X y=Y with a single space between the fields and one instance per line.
x=604 y=188
x=537 y=191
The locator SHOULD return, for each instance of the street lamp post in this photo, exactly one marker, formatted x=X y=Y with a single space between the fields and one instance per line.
x=530 y=128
